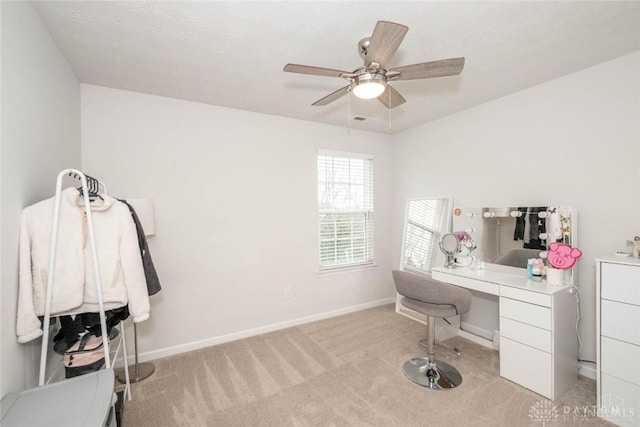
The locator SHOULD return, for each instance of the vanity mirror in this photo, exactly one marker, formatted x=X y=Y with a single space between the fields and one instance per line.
x=511 y=235
x=450 y=246
x=426 y=221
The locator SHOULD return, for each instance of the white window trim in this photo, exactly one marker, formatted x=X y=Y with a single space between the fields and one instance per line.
x=344 y=269
x=348 y=154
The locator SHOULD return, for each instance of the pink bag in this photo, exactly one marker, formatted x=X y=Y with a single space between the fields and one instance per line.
x=86 y=355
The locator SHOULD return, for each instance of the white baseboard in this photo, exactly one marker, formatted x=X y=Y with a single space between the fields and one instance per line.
x=476 y=339
x=475 y=330
x=588 y=371
x=477 y=335
x=196 y=345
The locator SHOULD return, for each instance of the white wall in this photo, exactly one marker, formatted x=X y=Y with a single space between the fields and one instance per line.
x=40 y=137
x=572 y=141
x=235 y=202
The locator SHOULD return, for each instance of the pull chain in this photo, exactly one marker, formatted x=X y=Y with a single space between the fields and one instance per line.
x=349 y=111
x=389 y=107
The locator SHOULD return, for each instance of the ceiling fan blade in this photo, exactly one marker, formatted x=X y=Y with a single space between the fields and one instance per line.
x=332 y=96
x=316 y=71
x=427 y=70
x=391 y=98
x=384 y=42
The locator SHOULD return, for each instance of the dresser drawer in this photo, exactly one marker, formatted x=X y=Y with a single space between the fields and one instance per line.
x=525 y=313
x=527 y=366
x=526 y=334
x=620 y=401
x=620 y=321
x=620 y=283
x=620 y=359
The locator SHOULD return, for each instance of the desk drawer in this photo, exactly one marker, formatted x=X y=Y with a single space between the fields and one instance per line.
x=620 y=283
x=526 y=334
x=468 y=283
x=620 y=359
x=526 y=296
x=526 y=313
x=527 y=366
x=620 y=321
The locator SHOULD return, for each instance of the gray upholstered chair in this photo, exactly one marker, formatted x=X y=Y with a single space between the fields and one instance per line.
x=433 y=299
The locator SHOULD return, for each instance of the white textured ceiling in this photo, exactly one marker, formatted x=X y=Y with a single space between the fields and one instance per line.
x=231 y=53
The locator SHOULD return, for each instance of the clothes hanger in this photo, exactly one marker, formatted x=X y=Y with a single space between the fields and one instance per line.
x=93 y=186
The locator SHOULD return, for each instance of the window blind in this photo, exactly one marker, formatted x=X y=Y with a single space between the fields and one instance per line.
x=345 y=210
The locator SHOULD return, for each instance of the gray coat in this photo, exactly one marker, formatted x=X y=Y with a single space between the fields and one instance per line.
x=153 y=283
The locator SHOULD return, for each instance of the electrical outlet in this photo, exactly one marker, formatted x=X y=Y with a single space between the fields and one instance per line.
x=287 y=292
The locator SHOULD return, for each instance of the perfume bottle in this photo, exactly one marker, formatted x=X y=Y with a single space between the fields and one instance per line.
x=536 y=270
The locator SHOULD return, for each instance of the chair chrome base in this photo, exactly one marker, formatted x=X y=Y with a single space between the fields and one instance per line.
x=442 y=376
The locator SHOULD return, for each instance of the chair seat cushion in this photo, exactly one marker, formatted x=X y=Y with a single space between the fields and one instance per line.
x=436 y=310
x=431 y=296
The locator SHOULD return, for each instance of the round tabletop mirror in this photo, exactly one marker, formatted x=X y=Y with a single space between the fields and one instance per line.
x=450 y=246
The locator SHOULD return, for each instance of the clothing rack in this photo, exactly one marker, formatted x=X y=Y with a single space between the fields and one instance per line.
x=89 y=188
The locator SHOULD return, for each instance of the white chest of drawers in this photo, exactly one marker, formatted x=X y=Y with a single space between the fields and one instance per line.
x=618 y=339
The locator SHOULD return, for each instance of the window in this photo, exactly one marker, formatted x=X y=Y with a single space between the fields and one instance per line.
x=426 y=221
x=345 y=209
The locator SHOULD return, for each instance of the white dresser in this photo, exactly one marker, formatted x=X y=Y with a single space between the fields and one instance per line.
x=618 y=339
x=538 y=339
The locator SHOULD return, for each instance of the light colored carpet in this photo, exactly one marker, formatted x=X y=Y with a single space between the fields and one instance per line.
x=344 y=371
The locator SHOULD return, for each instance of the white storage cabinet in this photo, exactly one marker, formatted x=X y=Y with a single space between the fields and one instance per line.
x=618 y=339
x=538 y=340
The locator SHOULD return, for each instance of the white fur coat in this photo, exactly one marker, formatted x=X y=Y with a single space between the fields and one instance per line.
x=119 y=261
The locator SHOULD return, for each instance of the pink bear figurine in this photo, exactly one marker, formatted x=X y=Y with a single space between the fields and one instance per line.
x=562 y=255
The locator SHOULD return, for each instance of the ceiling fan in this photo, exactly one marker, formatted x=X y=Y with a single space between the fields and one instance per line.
x=372 y=80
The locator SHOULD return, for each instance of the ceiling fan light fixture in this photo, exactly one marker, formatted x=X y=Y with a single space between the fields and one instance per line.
x=371 y=80
x=369 y=86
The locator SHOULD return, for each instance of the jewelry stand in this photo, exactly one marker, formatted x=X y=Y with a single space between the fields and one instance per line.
x=137 y=371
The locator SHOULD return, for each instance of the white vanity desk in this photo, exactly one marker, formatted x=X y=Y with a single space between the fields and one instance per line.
x=538 y=341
